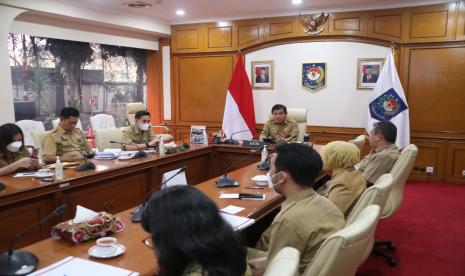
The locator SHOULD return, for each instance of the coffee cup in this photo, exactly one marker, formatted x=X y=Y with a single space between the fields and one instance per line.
x=105 y=246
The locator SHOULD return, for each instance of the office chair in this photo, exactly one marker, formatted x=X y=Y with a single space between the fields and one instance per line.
x=102 y=121
x=285 y=263
x=343 y=252
x=28 y=127
x=400 y=172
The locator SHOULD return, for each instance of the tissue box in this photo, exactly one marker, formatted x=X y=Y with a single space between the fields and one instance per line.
x=99 y=226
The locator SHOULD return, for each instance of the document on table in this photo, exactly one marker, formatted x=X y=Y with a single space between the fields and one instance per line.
x=231 y=209
x=237 y=222
x=73 y=266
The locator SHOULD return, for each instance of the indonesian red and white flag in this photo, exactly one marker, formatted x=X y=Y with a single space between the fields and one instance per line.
x=239 y=114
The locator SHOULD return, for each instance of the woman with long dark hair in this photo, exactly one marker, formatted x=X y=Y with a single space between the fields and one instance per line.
x=189 y=235
x=13 y=153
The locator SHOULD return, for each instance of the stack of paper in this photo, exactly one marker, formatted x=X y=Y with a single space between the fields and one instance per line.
x=105 y=155
x=73 y=266
x=237 y=222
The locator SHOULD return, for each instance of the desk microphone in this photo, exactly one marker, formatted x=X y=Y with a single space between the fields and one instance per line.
x=137 y=215
x=87 y=165
x=231 y=141
x=139 y=154
x=225 y=181
x=17 y=262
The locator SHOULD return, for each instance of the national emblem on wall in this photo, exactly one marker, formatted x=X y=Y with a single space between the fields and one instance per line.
x=314 y=76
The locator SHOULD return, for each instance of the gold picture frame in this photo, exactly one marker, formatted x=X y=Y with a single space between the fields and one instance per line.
x=368 y=70
x=262 y=75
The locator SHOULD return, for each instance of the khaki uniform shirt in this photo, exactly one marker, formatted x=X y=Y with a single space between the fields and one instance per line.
x=378 y=162
x=11 y=157
x=287 y=129
x=59 y=143
x=133 y=134
x=306 y=219
x=346 y=188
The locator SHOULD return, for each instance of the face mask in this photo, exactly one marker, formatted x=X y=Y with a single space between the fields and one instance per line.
x=144 y=127
x=270 y=181
x=14 y=146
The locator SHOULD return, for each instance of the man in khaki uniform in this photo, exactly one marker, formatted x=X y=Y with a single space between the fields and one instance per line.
x=306 y=219
x=140 y=135
x=280 y=128
x=384 y=152
x=66 y=141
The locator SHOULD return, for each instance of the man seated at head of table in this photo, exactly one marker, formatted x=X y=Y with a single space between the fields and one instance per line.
x=139 y=136
x=306 y=218
x=279 y=127
x=13 y=153
x=66 y=141
x=190 y=236
x=347 y=184
x=384 y=152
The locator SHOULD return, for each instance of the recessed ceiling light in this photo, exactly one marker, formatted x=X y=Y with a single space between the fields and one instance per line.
x=296 y=2
x=137 y=4
x=180 y=12
x=222 y=24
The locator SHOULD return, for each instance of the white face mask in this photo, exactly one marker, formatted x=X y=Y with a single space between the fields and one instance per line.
x=270 y=181
x=14 y=146
x=144 y=127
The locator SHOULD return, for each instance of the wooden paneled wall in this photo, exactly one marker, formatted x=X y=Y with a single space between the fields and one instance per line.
x=430 y=53
x=434 y=23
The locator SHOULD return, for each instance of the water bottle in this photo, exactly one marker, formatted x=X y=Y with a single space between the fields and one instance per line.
x=161 y=148
x=264 y=154
x=58 y=169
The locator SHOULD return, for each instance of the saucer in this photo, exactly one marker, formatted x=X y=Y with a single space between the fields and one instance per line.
x=120 y=249
x=261 y=180
x=124 y=157
x=43 y=175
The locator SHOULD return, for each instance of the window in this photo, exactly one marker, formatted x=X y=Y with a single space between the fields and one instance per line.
x=49 y=74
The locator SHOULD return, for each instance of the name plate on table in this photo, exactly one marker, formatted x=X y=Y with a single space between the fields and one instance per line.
x=253 y=144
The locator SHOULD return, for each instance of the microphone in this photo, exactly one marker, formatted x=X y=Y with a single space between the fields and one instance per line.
x=17 y=262
x=86 y=165
x=231 y=141
x=137 y=215
x=139 y=154
x=225 y=181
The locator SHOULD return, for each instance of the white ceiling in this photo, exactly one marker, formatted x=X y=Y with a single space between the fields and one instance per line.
x=214 y=10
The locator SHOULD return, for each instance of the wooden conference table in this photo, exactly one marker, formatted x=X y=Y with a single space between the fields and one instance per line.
x=139 y=257
x=117 y=187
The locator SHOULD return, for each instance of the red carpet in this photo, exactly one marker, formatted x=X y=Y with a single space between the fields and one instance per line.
x=428 y=231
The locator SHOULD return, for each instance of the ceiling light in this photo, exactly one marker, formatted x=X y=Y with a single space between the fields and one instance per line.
x=180 y=12
x=223 y=24
x=296 y=2
x=137 y=4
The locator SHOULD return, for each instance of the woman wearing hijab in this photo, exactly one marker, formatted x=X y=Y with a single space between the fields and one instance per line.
x=347 y=184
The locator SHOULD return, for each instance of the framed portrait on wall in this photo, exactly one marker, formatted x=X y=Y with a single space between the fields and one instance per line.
x=262 y=74
x=368 y=70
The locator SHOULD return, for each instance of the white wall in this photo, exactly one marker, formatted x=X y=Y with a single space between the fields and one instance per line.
x=339 y=104
x=166 y=64
x=7 y=114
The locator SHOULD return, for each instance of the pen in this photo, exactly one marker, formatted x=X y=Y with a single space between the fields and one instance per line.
x=254 y=187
